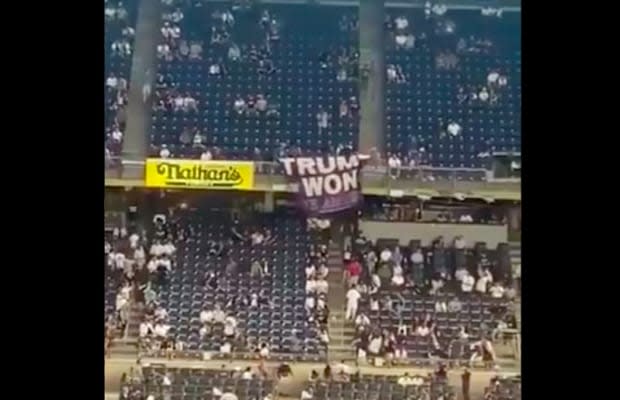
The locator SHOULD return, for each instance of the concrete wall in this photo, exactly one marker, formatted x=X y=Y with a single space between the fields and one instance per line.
x=426 y=232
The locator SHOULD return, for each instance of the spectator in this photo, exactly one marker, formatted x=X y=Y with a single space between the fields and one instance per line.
x=353 y=272
x=322 y=120
x=497 y=291
x=353 y=297
x=465 y=379
x=307 y=394
x=484 y=281
x=459 y=242
x=164 y=152
x=467 y=284
x=234 y=53
x=195 y=50
x=454 y=305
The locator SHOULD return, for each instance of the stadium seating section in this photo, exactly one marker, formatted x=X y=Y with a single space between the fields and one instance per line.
x=479 y=314
x=199 y=384
x=504 y=389
x=429 y=95
x=298 y=88
x=115 y=64
x=384 y=387
x=186 y=295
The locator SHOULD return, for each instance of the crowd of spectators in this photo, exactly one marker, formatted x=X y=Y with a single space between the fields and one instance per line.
x=124 y=255
x=343 y=381
x=119 y=41
x=442 y=274
x=221 y=384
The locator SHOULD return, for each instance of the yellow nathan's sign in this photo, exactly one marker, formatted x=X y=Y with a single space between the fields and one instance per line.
x=198 y=174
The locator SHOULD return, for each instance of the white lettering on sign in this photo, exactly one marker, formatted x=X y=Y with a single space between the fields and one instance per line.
x=321 y=176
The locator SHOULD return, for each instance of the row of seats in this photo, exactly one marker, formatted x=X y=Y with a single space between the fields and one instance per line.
x=382 y=387
x=424 y=104
x=192 y=384
x=282 y=327
x=298 y=89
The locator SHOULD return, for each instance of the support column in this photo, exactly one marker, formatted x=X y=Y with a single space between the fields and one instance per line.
x=372 y=82
x=143 y=70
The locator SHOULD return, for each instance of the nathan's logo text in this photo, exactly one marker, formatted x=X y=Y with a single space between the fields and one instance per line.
x=227 y=176
x=199 y=174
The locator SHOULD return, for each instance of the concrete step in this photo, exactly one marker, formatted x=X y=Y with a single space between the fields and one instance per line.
x=124 y=350
x=338 y=329
x=125 y=341
x=338 y=347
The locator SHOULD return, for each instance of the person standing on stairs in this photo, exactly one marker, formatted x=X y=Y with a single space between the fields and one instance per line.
x=353 y=297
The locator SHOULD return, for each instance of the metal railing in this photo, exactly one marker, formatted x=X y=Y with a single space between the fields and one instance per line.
x=269 y=174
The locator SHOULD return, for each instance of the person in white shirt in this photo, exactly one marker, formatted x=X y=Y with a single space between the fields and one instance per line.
x=466 y=218
x=374 y=344
x=497 y=291
x=112 y=81
x=385 y=255
x=353 y=297
x=161 y=330
x=322 y=287
x=467 y=284
x=247 y=374
x=219 y=316
x=485 y=279
x=257 y=238
x=133 y=240
x=397 y=276
x=391 y=69
x=492 y=78
x=422 y=330
x=362 y=320
x=160 y=313
x=311 y=285
x=206 y=156
x=374 y=304
x=226 y=348
x=264 y=351
x=310 y=303
x=164 y=152
x=502 y=81
x=459 y=242
x=401 y=41
x=145 y=329
x=454 y=129
x=214 y=69
x=151 y=266
x=168 y=249
x=119 y=260
x=324 y=336
x=405 y=380
x=484 y=95
x=166 y=381
x=230 y=324
x=401 y=23
x=322 y=271
x=229 y=396
x=239 y=105
x=307 y=394
x=310 y=270
x=460 y=273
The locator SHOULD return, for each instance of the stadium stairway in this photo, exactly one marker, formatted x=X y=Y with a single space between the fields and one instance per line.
x=128 y=344
x=515 y=253
x=340 y=332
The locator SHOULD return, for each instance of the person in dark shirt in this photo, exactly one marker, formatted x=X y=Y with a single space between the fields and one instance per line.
x=327 y=372
x=465 y=377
